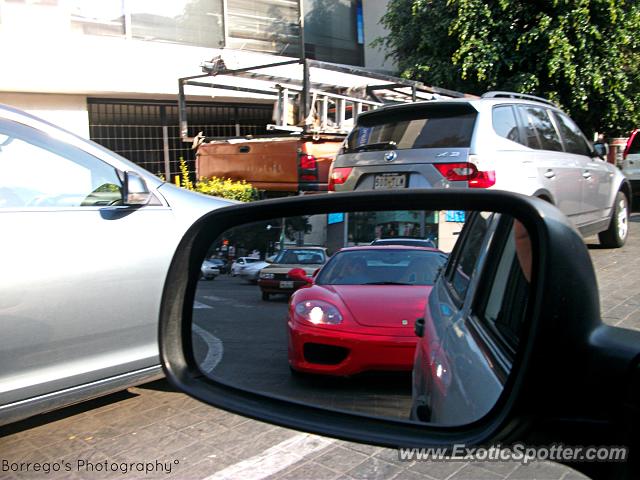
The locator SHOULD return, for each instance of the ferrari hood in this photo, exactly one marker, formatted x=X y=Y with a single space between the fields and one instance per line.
x=392 y=306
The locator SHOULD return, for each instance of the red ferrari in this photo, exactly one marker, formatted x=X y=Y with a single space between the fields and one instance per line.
x=359 y=311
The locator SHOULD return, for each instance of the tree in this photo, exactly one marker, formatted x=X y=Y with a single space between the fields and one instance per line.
x=582 y=54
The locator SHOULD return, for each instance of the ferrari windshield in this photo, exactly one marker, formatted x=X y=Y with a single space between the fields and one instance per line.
x=382 y=267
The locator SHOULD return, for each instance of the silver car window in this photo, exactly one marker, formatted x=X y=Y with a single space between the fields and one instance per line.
x=41 y=171
x=574 y=141
x=469 y=255
x=540 y=126
x=505 y=124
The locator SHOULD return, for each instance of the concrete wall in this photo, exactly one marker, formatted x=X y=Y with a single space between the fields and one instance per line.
x=67 y=111
x=374 y=58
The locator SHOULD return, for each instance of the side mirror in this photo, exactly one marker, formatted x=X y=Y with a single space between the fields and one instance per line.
x=300 y=275
x=135 y=189
x=601 y=149
x=514 y=312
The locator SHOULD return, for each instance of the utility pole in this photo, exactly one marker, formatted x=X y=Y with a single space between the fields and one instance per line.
x=305 y=67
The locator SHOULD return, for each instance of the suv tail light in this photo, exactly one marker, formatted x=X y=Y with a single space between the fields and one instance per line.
x=465 y=171
x=338 y=176
x=308 y=168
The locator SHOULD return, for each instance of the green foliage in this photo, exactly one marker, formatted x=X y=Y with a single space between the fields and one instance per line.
x=227 y=188
x=582 y=54
x=218 y=187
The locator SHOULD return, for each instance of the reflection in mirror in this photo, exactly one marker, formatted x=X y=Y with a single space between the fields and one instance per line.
x=412 y=315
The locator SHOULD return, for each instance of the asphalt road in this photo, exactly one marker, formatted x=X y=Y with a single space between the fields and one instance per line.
x=241 y=339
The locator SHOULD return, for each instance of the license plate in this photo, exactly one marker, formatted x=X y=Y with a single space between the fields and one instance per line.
x=390 y=181
x=286 y=284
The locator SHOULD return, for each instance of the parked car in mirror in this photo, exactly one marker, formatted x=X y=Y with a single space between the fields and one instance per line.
x=209 y=270
x=240 y=262
x=274 y=278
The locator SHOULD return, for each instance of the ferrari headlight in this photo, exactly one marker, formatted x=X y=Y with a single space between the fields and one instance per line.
x=319 y=312
x=266 y=275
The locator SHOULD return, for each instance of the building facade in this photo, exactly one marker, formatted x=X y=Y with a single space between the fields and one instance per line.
x=108 y=69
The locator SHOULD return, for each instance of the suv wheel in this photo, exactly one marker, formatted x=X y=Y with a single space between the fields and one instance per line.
x=616 y=234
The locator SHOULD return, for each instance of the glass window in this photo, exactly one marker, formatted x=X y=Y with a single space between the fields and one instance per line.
x=264 y=26
x=470 y=253
x=190 y=22
x=574 y=141
x=506 y=302
x=331 y=31
x=382 y=267
x=505 y=124
x=39 y=171
x=97 y=17
x=300 y=256
x=425 y=128
x=540 y=128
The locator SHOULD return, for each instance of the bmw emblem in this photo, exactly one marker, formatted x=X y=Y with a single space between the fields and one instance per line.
x=390 y=156
x=405 y=322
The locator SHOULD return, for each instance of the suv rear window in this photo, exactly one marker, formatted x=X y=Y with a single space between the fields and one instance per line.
x=450 y=127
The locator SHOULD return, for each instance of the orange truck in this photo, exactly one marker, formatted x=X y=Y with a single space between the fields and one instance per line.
x=314 y=106
x=273 y=164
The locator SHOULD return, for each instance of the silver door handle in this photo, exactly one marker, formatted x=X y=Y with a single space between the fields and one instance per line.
x=549 y=173
x=586 y=174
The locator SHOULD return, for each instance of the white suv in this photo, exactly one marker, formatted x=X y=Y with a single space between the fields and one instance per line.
x=504 y=141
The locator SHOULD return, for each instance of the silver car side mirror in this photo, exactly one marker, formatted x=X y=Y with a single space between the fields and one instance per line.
x=135 y=191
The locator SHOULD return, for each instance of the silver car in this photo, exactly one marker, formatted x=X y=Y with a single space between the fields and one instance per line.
x=501 y=141
x=83 y=323
x=251 y=271
x=471 y=326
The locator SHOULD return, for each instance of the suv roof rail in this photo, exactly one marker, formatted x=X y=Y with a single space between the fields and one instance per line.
x=523 y=96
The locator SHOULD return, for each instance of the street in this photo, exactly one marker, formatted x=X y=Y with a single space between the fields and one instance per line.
x=153 y=422
x=229 y=314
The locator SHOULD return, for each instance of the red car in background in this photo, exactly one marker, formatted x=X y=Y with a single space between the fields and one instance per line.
x=358 y=313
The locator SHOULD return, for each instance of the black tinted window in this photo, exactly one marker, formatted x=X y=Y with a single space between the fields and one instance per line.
x=541 y=133
x=382 y=267
x=506 y=300
x=441 y=128
x=469 y=253
x=505 y=124
x=574 y=141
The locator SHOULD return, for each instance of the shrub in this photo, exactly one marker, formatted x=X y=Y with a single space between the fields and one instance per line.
x=218 y=187
x=227 y=188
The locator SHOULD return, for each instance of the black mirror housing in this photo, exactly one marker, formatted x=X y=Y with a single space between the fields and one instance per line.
x=558 y=373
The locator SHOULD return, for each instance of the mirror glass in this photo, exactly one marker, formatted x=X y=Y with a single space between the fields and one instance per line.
x=412 y=315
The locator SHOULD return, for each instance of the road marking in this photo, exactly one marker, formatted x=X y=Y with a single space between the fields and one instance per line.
x=213 y=298
x=214 y=349
x=230 y=301
x=197 y=304
x=274 y=459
